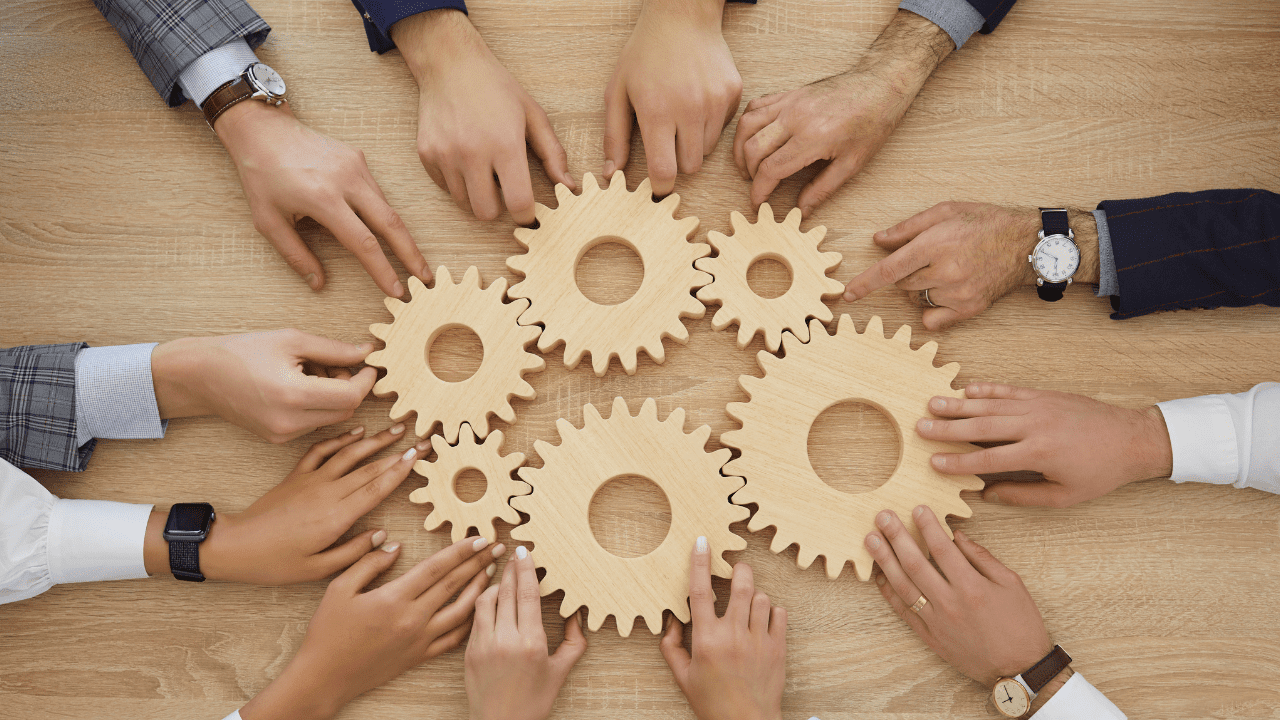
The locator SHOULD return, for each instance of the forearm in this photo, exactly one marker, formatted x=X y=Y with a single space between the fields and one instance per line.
x=907 y=52
x=300 y=693
x=706 y=13
x=431 y=41
x=176 y=370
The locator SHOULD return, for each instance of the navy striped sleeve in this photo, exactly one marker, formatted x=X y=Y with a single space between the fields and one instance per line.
x=992 y=12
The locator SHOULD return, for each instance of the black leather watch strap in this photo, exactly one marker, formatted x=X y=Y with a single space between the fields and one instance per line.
x=184 y=560
x=1053 y=221
x=1047 y=669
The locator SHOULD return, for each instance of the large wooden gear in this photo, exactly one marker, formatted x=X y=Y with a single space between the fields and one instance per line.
x=642 y=321
x=451 y=461
x=576 y=469
x=418 y=322
x=794 y=391
x=785 y=243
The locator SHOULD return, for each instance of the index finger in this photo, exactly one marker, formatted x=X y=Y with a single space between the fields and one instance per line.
x=702 y=599
x=949 y=557
x=886 y=271
x=659 y=138
x=517 y=188
x=424 y=575
x=384 y=220
x=356 y=237
x=528 y=598
x=321 y=393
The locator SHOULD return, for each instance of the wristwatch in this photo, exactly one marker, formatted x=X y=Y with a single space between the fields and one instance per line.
x=187 y=527
x=257 y=82
x=1013 y=696
x=1056 y=257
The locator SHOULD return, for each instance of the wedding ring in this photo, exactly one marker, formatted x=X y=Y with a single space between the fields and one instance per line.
x=931 y=304
x=919 y=605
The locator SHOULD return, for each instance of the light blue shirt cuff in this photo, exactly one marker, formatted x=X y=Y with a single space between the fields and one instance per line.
x=1108 y=279
x=957 y=17
x=115 y=395
x=214 y=69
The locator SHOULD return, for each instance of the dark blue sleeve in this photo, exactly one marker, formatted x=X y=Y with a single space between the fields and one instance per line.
x=1195 y=250
x=380 y=15
x=992 y=12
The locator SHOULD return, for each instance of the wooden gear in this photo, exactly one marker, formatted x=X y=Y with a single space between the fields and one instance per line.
x=794 y=391
x=576 y=469
x=642 y=321
x=418 y=322
x=769 y=240
x=452 y=461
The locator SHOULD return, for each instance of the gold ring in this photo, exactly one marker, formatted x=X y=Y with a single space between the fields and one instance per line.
x=931 y=304
x=919 y=605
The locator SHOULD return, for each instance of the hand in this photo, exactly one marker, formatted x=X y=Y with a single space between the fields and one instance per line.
x=474 y=118
x=845 y=118
x=510 y=675
x=279 y=385
x=737 y=669
x=286 y=536
x=678 y=74
x=290 y=171
x=359 y=640
x=979 y=618
x=967 y=255
x=1084 y=448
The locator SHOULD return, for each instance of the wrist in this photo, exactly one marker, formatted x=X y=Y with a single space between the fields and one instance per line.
x=293 y=696
x=705 y=14
x=1157 y=449
x=175 y=373
x=242 y=121
x=907 y=52
x=217 y=558
x=433 y=42
x=1085 y=227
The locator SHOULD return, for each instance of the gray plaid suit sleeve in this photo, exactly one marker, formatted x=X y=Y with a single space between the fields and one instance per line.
x=167 y=35
x=38 y=408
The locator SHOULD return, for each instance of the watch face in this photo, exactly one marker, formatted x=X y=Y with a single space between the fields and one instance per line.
x=267 y=79
x=1011 y=698
x=1057 y=258
x=189 y=520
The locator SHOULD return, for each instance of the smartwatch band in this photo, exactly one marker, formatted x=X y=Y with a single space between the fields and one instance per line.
x=184 y=560
x=1054 y=221
x=1047 y=669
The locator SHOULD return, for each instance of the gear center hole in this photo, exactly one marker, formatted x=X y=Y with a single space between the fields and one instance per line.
x=609 y=272
x=769 y=277
x=850 y=446
x=470 y=485
x=629 y=516
x=455 y=353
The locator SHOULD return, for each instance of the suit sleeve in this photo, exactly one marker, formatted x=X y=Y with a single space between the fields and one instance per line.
x=38 y=408
x=165 y=36
x=1216 y=248
x=992 y=12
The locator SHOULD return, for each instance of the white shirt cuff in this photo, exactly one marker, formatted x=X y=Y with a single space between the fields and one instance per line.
x=95 y=540
x=214 y=69
x=1078 y=700
x=1203 y=437
x=115 y=395
x=233 y=716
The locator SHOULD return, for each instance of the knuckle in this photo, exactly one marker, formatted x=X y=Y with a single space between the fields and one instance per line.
x=367 y=244
x=392 y=219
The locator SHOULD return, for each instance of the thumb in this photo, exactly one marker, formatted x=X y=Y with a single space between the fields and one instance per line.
x=940 y=317
x=330 y=352
x=827 y=182
x=571 y=648
x=673 y=651
x=617 y=128
x=542 y=137
x=359 y=575
x=1037 y=494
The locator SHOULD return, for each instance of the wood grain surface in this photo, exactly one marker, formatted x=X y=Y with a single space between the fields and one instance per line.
x=123 y=221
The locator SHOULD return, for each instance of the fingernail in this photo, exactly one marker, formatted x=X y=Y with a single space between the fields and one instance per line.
x=880 y=580
x=917 y=512
x=939 y=461
x=993 y=497
x=358 y=430
x=479 y=543
x=805 y=210
x=521 y=553
x=883 y=234
x=391 y=547
x=423 y=446
x=379 y=537
x=882 y=520
x=313 y=281
x=925 y=425
x=364 y=347
x=489 y=570
x=397 y=429
x=938 y=404
x=609 y=167
x=873 y=542
x=409 y=454
x=960 y=535
x=498 y=550
x=849 y=297
x=397 y=289
x=701 y=546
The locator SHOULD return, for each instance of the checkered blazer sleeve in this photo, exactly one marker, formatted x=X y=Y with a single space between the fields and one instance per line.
x=167 y=35
x=38 y=408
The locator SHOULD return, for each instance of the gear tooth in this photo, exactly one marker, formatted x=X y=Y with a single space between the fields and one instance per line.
x=625 y=624
x=471 y=278
x=458 y=531
x=648 y=409
x=644 y=189
x=524 y=236
x=506 y=414
x=708 y=266
x=693 y=307
x=805 y=557
x=590 y=416
x=596 y=619
x=739 y=222
x=764 y=216
x=600 y=364
x=676 y=418
x=565 y=427
x=903 y=335
x=654 y=622
x=670 y=204
x=927 y=351
x=400 y=408
x=772 y=339
x=801 y=331
x=835 y=565
x=745 y=333
x=380 y=331
x=498 y=288
x=420 y=495
x=657 y=351
x=569 y=606
x=875 y=328
x=817 y=235
x=619 y=178
x=563 y=194
x=524 y=391
x=793 y=219
x=700 y=436
x=443 y=278
x=393 y=305
x=730 y=438
x=688 y=225
x=949 y=371
x=466 y=435
x=541 y=212
x=718 y=240
x=679 y=332
x=845 y=326
x=375 y=359
x=780 y=542
x=416 y=286
x=629 y=361
x=517 y=264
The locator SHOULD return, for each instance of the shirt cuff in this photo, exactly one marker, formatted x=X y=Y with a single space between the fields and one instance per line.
x=957 y=17
x=115 y=396
x=1108 y=279
x=233 y=716
x=1078 y=699
x=1203 y=437
x=214 y=69
x=96 y=540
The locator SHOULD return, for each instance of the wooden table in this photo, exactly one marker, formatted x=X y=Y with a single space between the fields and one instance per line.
x=123 y=222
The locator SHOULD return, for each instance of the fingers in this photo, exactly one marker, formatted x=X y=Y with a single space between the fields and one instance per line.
x=903 y=610
x=455 y=614
x=348 y=457
x=761 y=610
x=965 y=408
x=884 y=556
x=822 y=187
x=571 y=648
x=457 y=189
x=322 y=393
x=517 y=188
x=1005 y=458
x=998 y=391
x=983 y=560
x=905 y=231
x=356 y=237
x=335 y=559
x=486 y=613
x=753 y=120
x=674 y=652
x=778 y=624
x=689 y=145
x=617 y=128
x=288 y=243
x=941 y=318
x=323 y=449
x=483 y=191
x=528 y=598
x=764 y=143
x=448 y=641
x=1028 y=494
x=508 y=599
x=778 y=166
x=660 y=148
x=546 y=145
x=437 y=585
x=741 y=590
x=912 y=560
x=702 y=600
x=360 y=574
x=945 y=552
x=368 y=497
x=887 y=271
x=386 y=222
x=980 y=429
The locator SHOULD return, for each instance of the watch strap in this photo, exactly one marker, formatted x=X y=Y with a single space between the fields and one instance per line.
x=1051 y=292
x=227 y=95
x=1054 y=221
x=184 y=560
x=1047 y=669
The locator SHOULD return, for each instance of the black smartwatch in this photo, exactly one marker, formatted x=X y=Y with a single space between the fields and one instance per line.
x=1056 y=256
x=187 y=527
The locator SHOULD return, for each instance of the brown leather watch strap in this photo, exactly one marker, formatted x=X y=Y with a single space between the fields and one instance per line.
x=1047 y=669
x=224 y=97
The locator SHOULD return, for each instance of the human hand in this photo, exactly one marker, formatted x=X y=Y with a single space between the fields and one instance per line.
x=509 y=673
x=737 y=669
x=678 y=75
x=967 y=255
x=474 y=118
x=279 y=385
x=290 y=171
x=358 y=640
x=1083 y=447
x=979 y=617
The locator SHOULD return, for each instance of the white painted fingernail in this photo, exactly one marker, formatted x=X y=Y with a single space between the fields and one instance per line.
x=391 y=547
x=702 y=546
x=479 y=543
x=489 y=570
x=358 y=430
x=521 y=553
x=918 y=511
x=409 y=454
x=925 y=425
x=379 y=537
x=397 y=429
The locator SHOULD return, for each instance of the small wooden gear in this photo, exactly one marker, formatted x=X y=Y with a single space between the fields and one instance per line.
x=576 y=469
x=451 y=461
x=794 y=391
x=769 y=240
x=418 y=322
x=642 y=321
